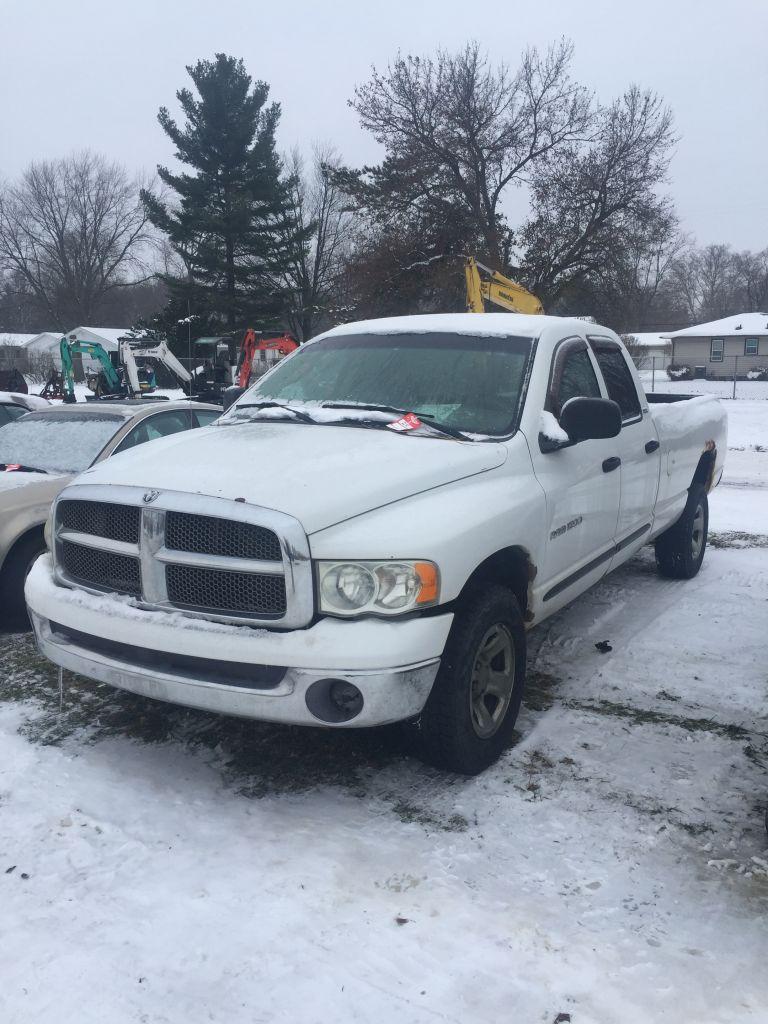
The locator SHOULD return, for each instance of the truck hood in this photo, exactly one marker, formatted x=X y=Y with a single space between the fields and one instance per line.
x=321 y=475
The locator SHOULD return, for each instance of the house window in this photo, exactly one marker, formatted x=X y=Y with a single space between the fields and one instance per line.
x=750 y=346
x=716 y=350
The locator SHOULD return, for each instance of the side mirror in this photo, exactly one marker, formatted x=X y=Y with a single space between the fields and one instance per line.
x=231 y=395
x=586 y=419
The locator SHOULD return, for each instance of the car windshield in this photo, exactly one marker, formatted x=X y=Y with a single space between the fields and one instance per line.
x=57 y=442
x=470 y=383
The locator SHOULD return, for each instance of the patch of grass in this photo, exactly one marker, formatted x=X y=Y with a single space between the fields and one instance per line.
x=648 y=716
x=663 y=695
x=412 y=814
x=737 y=539
x=538 y=694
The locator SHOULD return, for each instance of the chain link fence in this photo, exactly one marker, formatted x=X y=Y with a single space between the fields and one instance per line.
x=735 y=378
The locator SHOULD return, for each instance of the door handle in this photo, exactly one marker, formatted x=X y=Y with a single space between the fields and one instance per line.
x=610 y=464
x=651 y=446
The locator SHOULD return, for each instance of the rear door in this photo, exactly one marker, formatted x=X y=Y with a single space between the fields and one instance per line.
x=638 y=447
x=581 y=487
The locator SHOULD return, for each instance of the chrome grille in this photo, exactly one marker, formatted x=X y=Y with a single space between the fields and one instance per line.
x=101 y=519
x=215 y=590
x=103 y=569
x=209 y=535
x=208 y=556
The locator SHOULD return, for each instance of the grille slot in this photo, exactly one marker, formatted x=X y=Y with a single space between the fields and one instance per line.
x=209 y=535
x=256 y=594
x=101 y=519
x=104 y=569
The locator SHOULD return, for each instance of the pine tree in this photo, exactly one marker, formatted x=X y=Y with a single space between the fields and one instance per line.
x=230 y=222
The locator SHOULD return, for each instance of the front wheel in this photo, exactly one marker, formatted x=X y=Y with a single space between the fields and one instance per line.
x=13 y=609
x=471 y=712
x=680 y=549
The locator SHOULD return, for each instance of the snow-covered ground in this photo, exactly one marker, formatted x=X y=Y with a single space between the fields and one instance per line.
x=171 y=867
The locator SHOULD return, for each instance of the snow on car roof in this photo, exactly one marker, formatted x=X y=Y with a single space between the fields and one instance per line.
x=484 y=325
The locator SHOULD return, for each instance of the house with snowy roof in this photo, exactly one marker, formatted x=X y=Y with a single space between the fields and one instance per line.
x=13 y=351
x=733 y=346
x=652 y=351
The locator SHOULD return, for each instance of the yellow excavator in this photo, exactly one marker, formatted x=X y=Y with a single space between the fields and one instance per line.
x=486 y=285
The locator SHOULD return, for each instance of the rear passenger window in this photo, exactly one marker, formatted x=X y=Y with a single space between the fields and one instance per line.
x=573 y=376
x=618 y=378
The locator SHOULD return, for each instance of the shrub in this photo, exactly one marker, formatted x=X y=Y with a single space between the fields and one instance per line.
x=675 y=372
x=758 y=373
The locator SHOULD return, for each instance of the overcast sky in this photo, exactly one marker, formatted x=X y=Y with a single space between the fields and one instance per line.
x=92 y=73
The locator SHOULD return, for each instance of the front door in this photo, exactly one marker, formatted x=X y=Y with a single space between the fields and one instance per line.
x=638 y=449
x=581 y=484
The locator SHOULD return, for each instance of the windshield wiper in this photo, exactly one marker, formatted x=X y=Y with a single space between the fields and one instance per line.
x=20 y=469
x=301 y=416
x=428 y=418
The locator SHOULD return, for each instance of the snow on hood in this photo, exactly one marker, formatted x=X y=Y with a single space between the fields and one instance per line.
x=321 y=475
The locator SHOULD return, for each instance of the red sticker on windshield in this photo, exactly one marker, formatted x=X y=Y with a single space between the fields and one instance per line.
x=408 y=422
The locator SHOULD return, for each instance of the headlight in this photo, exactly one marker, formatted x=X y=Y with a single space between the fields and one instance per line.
x=377 y=588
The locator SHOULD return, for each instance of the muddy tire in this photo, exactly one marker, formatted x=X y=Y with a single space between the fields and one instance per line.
x=13 y=608
x=471 y=712
x=680 y=549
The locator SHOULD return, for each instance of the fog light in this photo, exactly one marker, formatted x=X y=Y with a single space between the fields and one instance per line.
x=334 y=701
x=346 y=697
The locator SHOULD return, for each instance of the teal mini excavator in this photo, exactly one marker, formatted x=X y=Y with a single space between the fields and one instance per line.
x=109 y=379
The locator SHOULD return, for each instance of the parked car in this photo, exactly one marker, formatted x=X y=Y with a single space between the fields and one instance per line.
x=14 y=404
x=386 y=512
x=41 y=451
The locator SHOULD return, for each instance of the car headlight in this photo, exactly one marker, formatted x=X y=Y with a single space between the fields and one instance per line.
x=377 y=588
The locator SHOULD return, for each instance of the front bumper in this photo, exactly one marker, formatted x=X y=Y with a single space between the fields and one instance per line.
x=393 y=664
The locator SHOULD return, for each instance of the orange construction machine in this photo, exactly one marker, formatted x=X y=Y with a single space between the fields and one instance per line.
x=252 y=344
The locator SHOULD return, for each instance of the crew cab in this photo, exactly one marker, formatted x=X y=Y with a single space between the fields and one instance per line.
x=368 y=532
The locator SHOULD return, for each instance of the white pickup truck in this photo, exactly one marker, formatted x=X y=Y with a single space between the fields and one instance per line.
x=368 y=532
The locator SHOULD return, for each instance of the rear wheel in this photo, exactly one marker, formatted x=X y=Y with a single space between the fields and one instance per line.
x=471 y=712
x=680 y=549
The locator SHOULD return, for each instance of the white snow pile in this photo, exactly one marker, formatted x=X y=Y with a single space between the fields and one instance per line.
x=550 y=428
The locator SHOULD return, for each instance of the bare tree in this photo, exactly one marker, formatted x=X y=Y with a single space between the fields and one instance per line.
x=73 y=230
x=460 y=134
x=587 y=198
x=706 y=281
x=319 y=210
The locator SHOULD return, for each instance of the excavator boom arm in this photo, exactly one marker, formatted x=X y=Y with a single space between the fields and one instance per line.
x=85 y=348
x=496 y=289
x=157 y=350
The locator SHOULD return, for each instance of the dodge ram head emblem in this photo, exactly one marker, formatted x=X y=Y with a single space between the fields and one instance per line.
x=150 y=496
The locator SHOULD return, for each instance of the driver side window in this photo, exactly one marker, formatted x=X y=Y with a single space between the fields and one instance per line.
x=572 y=376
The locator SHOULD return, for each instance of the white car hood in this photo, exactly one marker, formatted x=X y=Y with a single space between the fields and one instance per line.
x=321 y=475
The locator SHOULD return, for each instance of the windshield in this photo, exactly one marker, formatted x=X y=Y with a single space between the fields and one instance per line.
x=472 y=384
x=57 y=442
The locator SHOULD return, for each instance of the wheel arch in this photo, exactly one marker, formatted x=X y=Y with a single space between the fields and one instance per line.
x=510 y=567
x=36 y=531
x=704 y=473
